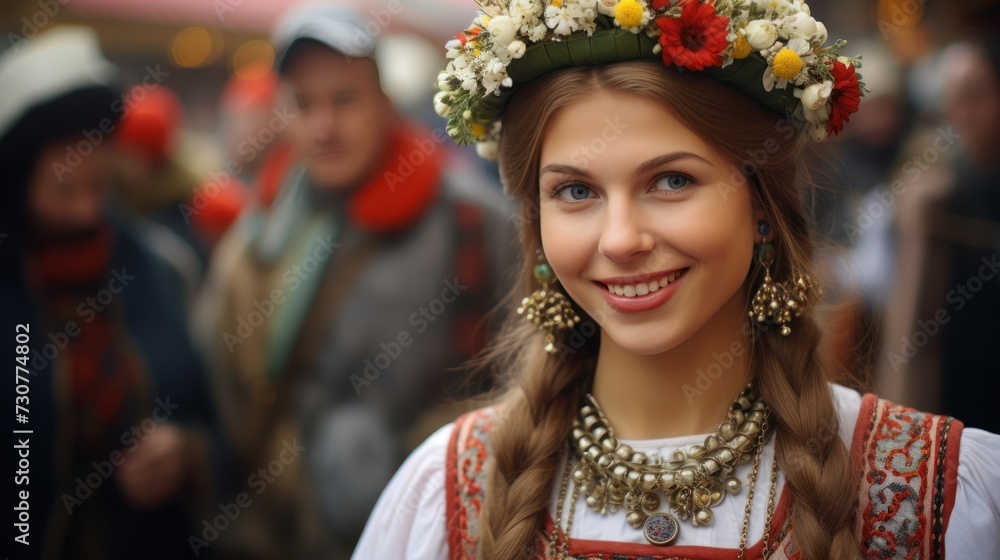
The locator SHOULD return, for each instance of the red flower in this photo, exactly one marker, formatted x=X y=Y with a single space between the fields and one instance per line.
x=468 y=34
x=845 y=98
x=696 y=39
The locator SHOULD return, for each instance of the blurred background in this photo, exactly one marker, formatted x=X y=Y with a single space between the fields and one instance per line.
x=215 y=395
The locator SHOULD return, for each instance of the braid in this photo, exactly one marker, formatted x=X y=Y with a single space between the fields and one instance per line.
x=808 y=447
x=526 y=444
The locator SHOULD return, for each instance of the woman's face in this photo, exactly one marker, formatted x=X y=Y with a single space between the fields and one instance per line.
x=642 y=223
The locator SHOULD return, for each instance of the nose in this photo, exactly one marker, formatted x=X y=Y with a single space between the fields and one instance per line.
x=324 y=125
x=624 y=236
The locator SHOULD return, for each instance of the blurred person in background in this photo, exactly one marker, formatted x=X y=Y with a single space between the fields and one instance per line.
x=248 y=107
x=153 y=184
x=944 y=316
x=119 y=454
x=335 y=314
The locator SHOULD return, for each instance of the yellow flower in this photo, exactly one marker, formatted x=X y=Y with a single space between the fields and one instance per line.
x=787 y=64
x=557 y=3
x=628 y=13
x=741 y=48
x=477 y=130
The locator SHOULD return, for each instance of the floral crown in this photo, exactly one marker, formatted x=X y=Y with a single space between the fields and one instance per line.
x=772 y=50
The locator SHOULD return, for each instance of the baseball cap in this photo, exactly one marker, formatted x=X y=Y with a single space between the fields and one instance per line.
x=340 y=28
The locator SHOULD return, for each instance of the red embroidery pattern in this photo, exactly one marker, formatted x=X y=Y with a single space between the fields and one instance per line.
x=909 y=463
x=466 y=481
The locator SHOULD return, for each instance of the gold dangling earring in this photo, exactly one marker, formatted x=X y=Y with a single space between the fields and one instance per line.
x=548 y=308
x=778 y=302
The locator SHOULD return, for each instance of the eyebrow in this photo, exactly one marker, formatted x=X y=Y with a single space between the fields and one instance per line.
x=644 y=168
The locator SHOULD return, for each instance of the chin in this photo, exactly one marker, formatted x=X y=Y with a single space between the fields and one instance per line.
x=645 y=340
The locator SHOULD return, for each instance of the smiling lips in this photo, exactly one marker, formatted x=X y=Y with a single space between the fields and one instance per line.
x=641 y=293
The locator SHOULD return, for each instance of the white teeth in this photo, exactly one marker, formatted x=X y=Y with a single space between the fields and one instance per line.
x=630 y=290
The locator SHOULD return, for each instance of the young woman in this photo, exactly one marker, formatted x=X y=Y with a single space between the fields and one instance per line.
x=667 y=393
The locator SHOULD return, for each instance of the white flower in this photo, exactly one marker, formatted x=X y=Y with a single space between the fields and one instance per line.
x=443 y=81
x=452 y=45
x=783 y=8
x=761 y=6
x=816 y=95
x=470 y=85
x=761 y=34
x=516 y=49
x=798 y=25
x=844 y=60
x=487 y=150
x=502 y=30
x=607 y=7
x=589 y=22
x=538 y=33
x=820 y=36
x=494 y=73
x=493 y=11
x=815 y=102
x=564 y=20
x=587 y=4
x=525 y=15
x=440 y=107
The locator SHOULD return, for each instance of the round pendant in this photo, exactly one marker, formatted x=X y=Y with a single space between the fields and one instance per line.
x=660 y=528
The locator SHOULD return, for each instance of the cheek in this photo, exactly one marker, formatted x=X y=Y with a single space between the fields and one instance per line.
x=567 y=246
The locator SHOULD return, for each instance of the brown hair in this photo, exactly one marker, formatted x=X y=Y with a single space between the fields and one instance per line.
x=543 y=391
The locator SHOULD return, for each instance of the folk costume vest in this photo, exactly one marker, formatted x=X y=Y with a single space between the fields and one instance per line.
x=907 y=462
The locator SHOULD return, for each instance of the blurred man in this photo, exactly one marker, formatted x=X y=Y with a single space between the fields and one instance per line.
x=338 y=310
x=942 y=323
x=116 y=406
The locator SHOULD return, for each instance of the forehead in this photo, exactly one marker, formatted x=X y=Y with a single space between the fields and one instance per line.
x=613 y=130
x=313 y=66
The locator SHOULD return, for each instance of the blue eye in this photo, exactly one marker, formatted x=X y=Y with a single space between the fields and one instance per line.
x=574 y=192
x=672 y=182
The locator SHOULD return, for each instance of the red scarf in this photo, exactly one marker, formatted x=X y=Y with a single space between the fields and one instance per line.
x=400 y=192
x=103 y=375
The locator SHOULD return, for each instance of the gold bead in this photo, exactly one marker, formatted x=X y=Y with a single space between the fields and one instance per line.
x=733 y=485
x=785 y=330
x=609 y=444
x=725 y=455
x=619 y=472
x=727 y=430
x=666 y=480
x=633 y=478
x=687 y=476
x=624 y=452
x=648 y=482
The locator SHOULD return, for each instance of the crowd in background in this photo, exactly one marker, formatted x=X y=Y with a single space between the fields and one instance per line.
x=252 y=261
